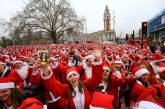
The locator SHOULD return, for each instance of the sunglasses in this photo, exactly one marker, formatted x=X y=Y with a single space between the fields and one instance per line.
x=88 y=60
x=106 y=71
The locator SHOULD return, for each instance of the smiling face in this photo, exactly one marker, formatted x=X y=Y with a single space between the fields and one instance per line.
x=73 y=79
x=18 y=65
x=2 y=68
x=106 y=74
x=145 y=78
x=5 y=94
x=89 y=62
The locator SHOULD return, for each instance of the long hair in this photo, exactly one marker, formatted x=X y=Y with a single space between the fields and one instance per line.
x=17 y=97
x=71 y=91
x=146 y=84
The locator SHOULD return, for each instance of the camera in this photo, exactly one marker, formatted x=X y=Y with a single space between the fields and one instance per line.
x=44 y=57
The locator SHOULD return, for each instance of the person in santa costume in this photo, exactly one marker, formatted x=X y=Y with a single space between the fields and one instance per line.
x=13 y=98
x=110 y=84
x=4 y=71
x=159 y=89
x=58 y=69
x=141 y=85
x=77 y=93
x=52 y=101
x=21 y=74
x=10 y=97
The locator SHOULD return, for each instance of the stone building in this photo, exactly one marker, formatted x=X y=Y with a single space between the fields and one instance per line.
x=108 y=35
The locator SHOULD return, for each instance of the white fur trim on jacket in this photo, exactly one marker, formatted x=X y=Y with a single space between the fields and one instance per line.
x=117 y=74
x=93 y=107
x=149 y=105
x=7 y=85
x=140 y=72
x=72 y=72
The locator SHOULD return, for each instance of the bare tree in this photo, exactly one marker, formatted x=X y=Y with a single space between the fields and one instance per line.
x=51 y=17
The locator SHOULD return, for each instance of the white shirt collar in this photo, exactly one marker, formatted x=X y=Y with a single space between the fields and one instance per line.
x=164 y=83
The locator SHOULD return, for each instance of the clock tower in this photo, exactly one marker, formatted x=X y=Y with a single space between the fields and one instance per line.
x=107 y=19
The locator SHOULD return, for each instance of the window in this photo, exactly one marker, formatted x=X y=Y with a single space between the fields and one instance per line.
x=163 y=19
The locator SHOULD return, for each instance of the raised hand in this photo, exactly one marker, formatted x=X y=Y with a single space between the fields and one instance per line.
x=97 y=54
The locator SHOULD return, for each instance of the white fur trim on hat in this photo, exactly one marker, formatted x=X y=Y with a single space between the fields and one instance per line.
x=106 y=68
x=72 y=72
x=2 y=63
x=149 y=105
x=120 y=62
x=161 y=69
x=140 y=72
x=90 y=57
x=7 y=85
x=15 y=62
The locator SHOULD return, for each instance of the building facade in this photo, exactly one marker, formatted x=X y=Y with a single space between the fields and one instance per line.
x=156 y=27
x=108 y=35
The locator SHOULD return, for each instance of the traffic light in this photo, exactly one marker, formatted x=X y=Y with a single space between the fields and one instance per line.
x=133 y=35
x=126 y=37
x=144 y=29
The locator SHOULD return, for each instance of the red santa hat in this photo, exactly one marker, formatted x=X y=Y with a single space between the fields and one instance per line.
x=102 y=101
x=71 y=71
x=6 y=83
x=106 y=67
x=139 y=71
x=31 y=103
x=158 y=58
x=123 y=54
x=92 y=57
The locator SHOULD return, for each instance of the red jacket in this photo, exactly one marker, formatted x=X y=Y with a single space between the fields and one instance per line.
x=22 y=77
x=159 y=89
x=138 y=90
x=59 y=104
x=89 y=86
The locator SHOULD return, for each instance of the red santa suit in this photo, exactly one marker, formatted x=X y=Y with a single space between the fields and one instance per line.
x=21 y=76
x=139 y=89
x=59 y=71
x=53 y=102
x=83 y=99
x=159 y=93
x=111 y=87
x=84 y=69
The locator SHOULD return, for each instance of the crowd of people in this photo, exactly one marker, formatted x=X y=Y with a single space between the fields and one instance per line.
x=81 y=76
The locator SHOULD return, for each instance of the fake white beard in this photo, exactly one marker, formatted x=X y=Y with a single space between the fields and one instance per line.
x=23 y=72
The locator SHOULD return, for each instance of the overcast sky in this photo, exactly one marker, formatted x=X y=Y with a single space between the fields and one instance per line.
x=128 y=13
